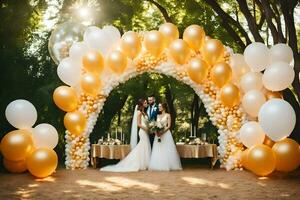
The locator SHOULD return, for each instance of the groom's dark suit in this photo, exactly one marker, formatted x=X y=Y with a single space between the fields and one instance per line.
x=152 y=112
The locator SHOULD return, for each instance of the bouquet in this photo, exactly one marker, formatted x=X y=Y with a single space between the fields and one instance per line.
x=156 y=128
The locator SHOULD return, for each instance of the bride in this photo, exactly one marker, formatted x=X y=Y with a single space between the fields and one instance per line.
x=164 y=156
x=139 y=157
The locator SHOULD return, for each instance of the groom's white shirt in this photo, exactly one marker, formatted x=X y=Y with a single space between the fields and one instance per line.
x=150 y=109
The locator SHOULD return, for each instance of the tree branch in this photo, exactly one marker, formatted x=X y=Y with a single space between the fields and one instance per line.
x=163 y=11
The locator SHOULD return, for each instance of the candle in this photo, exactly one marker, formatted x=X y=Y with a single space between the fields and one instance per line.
x=116 y=133
x=191 y=133
x=121 y=134
x=195 y=131
x=108 y=136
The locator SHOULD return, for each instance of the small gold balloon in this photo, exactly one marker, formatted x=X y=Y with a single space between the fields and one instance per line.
x=261 y=160
x=15 y=166
x=180 y=51
x=287 y=154
x=271 y=95
x=93 y=62
x=42 y=162
x=230 y=95
x=131 y=44
x=197 y=70
x=15 y=145
x=75 y=122
x=90 y=84
x=154 y=42
x=65 y=98
x=170 y=32
x=117 y=62
x=268 y=142
x=212 y=51
x=220 y=74
x=194 y=35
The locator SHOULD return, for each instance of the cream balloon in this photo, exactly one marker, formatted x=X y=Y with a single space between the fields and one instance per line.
x=69 y=71
x=238 y=66
x=277 y=118
x=45 y=135
x=21 y=114
x=170 y=32
x=281 y=52
x=257 y=56
x=252 y=102
x=78 y=50
x=180 y=51
x=251 y=134
x=251 y=81
x=278 y=76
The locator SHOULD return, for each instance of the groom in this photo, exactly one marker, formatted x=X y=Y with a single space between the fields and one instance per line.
x=152 y=112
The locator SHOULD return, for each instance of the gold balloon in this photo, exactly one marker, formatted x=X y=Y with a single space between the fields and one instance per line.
x=271 y=95
x=230 y=95
x=75 y=122
x=194 y=35
x=15 y=166
x=65 y=98
x=154 y=42
x=170 y=32
x=220 y=74
x=268 y=141
x=131 y=44
x=15 y=145
x=244 y=158
x=117 y=62
x=287 y=154
x=261 y=159
x=180 y=51
x=197 y=70
x=42 y=162
x=93 y=62
x=90 y=84
x=212 y=51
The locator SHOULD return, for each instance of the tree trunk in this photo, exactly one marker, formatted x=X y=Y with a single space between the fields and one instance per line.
x=170 y=102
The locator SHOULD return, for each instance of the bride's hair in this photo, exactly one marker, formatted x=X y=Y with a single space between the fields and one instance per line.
x=165 y=107
x=141 y=106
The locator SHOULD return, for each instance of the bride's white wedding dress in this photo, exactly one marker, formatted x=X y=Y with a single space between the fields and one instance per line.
x=139 y=157
x=164 y=156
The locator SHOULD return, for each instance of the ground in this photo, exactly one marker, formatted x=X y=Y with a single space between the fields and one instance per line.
x=191 y=183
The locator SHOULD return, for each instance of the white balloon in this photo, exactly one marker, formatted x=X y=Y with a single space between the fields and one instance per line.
x=96 y=38
x=238 y=66
x=252 y=102
x=78 y=50
x=113 y=33
x=257 y=56
x=45 y=135
x=277 y=118
x=251 y=134
x=251 y=81
x=278 y=76
x=69 y=71
x=281 y=52
x=21 y=114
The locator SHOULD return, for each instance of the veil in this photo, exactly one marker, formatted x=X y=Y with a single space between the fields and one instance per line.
x=134 y=129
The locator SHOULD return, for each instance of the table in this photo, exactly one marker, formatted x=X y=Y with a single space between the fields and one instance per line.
x=184 y=150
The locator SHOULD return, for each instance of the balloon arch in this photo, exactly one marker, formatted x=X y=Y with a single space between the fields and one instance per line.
x=241 y=94
x=220 y=78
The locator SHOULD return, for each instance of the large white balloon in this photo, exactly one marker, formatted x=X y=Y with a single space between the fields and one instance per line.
x=252 y=101
x=69 y=71
x=97 y=39
x=277 y=118
x=45 y=135
x=238 y=66
x=21 y=114
x=78 y=50
x=278 y=76
x=281 y=52
x=251 y=134
x=257 y=56
x=113 y=33
x=251 y=81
